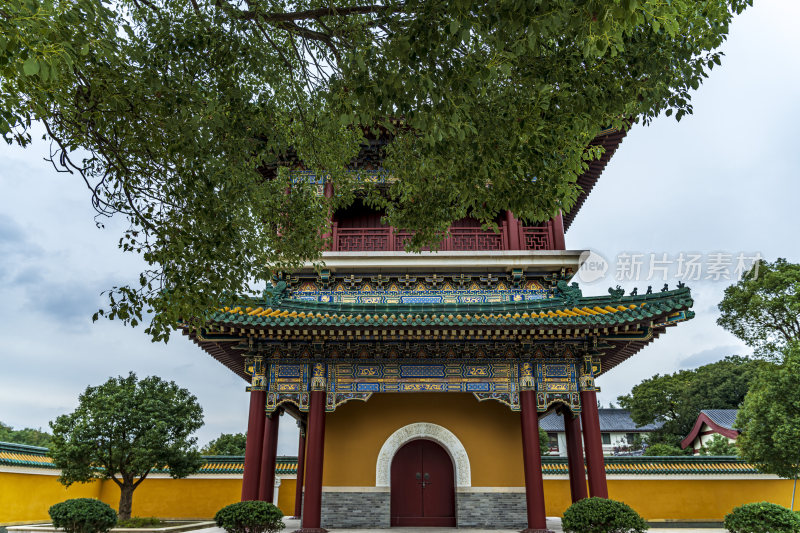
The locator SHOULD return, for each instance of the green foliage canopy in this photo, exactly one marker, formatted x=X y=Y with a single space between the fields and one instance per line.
x=30 y=436
x=226 y=444
x=124 y=429
x=769 y=419
x=183 y=116
x=763 y=309
x=719 y=445
x=677 y=399
x=659 y=449
x=544 y=442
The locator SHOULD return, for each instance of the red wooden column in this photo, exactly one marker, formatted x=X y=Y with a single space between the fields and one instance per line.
x=558 y=233
x=577 y=472
x=269 y=451
x=255 y=437
x=532 y=461
x=512 y=227
x=327 y=191
x=595 y=464
x=312 y=504
x=301 y=459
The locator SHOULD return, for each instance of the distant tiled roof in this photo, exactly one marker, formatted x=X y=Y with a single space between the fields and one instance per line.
x=35 y=457
x=719 y=420
x=722 y=417
x=611 y=420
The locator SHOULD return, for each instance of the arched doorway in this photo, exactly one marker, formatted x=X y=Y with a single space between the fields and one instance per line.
x=422 y=486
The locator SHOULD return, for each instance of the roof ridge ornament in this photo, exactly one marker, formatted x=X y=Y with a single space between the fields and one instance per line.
x=569 y=292
x=275 y=294
x=616 y=293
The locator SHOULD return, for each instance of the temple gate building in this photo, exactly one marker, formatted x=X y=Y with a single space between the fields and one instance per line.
x=418 y=379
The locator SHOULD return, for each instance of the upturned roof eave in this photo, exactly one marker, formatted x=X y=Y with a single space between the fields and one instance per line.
x=703 y=418
x=583 y=312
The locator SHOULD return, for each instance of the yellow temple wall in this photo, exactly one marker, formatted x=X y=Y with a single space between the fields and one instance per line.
x=489 y=432
x=286 y=495
x=193 y=497
x=695 y=499
x=26 y=497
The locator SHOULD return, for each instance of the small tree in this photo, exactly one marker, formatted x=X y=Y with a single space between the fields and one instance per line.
x=676 y=399
x=226 y=444
x=719 y=445
x=544 y=442
x=763 y=309
x=769 y=419
x=123 y=430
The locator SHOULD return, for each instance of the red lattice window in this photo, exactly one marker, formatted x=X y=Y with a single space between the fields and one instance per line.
x=471 y=239
x=362 y=239
x=537 y=238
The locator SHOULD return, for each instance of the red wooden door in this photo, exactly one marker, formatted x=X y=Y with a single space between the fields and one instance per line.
x=423 y=492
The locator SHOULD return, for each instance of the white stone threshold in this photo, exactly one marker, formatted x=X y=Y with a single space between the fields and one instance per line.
x=48 y=528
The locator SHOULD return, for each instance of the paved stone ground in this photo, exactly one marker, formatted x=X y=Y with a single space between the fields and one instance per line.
x=552 y=523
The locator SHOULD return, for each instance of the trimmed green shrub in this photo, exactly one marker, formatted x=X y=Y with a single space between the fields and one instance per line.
x=250 y=517
x=83 y=515
x=762 y=517
x=140 y=521
x=599 y=515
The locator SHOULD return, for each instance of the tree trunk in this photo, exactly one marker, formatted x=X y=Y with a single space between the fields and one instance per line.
x=125 y=500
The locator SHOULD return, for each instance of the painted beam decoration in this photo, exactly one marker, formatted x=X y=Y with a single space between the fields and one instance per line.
x=555 y=380
x=453 y=288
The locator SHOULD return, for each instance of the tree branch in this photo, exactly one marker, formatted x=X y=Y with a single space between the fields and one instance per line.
x=311 y=14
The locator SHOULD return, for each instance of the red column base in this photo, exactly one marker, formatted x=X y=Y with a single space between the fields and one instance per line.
x=310 y=530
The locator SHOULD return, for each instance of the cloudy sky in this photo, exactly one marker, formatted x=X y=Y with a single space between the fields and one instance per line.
x=721 y=181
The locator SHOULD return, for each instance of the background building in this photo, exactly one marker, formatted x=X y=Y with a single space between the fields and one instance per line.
x=711 y=422
x=618 y=432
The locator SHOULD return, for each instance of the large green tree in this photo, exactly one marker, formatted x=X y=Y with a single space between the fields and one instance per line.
x=184 y=116
x=124 y=429
x=226 y=444
x=769 y=418
x=677 y=399
x=763 y=309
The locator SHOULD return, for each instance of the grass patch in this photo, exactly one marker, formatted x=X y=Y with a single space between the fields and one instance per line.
x=147 y=522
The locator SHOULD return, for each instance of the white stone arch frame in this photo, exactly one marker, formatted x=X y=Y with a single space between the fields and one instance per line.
x=423 y=430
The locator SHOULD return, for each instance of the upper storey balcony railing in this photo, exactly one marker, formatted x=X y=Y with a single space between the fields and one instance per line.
x=387 y=239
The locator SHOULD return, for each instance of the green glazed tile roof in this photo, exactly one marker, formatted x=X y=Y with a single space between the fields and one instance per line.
x=32 y=456
x=12 y=454
x=35 y=457
x=660 y=465
x=595 y=311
